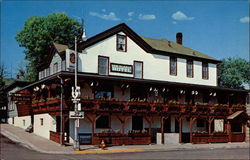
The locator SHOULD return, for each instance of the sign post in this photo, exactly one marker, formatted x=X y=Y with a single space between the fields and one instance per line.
x=76 y=99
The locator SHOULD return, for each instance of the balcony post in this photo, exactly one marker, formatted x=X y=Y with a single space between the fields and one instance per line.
x=229 y=131
x=162 y=130
x=180 y=130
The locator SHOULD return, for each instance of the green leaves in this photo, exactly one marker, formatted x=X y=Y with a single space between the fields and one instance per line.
x=40 y=32
x=234 y=72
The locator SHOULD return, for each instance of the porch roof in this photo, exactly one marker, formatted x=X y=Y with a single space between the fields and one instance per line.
x=133 y=80
x=236 y=114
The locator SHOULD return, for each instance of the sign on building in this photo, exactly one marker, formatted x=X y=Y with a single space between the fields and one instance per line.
x=219 y=125
x=73 y=115
x=121 y=68
x=70 y=60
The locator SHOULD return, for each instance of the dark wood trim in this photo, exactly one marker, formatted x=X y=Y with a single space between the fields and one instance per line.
x=142 y=69
x=120 y=35
x=99 y=63
x=176 y=61
x=121 y=65
x=192 y=65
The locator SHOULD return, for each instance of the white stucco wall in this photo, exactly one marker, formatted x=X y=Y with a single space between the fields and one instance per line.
x=22 y=122
x=155 y=67
x=49 y=124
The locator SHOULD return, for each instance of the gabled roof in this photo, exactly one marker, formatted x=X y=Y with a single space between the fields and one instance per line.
x=54 y=48
x=16 y=83
x=154 y=46
x=169 y=46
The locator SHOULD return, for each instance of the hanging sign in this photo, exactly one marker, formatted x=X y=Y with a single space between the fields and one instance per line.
x=70 y=60
x=73 y=115
x=121 y=68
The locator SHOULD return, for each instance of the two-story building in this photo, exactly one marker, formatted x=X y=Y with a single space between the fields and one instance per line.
x=135 y=90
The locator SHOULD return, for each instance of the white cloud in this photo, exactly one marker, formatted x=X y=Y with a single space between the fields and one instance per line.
x=174 y=22
x=146 y=16
x=181 y=16
x=245 y=20
x=129 y=19
x=110 y=16
x=130 y=14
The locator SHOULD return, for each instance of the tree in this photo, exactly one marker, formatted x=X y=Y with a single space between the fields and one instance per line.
x=234 y=72
x=40 y=32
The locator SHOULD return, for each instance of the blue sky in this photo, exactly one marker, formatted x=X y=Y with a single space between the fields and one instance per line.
x=217 y=28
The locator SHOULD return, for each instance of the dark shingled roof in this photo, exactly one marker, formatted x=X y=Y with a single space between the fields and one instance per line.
x=172 y=47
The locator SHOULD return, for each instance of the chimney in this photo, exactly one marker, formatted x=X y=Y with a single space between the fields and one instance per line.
x=179 y=38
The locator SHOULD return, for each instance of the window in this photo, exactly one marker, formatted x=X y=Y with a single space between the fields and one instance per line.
x=173 y=66
x=204 y=70
x=190 y=68
x=121 y=43
x=41 y=121
x=103 y=122
x=47 y=71
x=200 y=123
x=137 y=122
x=23 y=122
x=138 y=69
x=55 y=67
x=103 y=65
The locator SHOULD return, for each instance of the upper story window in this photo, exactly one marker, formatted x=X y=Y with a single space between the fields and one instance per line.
x=190 y=68
x=47 y=71
x=204 y=70
x=121 y=43
x=103 y=65
x=138 y=69
x=173 y=66
x=55 y=67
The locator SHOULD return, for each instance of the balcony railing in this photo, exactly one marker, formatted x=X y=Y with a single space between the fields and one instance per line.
x=50 y=104
x=128 y=106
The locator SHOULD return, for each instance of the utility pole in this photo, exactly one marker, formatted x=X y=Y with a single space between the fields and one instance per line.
x=75 y=95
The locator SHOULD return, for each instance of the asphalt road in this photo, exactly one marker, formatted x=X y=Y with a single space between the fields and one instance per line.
x=13 y=151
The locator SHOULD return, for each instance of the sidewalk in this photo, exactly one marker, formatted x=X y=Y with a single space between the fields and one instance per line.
x=37 y=143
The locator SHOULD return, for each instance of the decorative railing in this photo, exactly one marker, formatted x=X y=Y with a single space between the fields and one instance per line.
x=137 y=106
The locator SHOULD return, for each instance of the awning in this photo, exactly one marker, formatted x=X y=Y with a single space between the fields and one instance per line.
x=232 y=116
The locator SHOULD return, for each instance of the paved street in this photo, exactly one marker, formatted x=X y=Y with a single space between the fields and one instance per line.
x=13 y=151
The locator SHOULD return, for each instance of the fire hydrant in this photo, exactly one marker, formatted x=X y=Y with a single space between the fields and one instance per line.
x=102 y=145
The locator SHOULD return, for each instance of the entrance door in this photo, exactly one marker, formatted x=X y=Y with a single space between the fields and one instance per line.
x=137 y=123
x=167 y=125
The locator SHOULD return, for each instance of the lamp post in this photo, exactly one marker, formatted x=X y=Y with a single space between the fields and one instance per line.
x=75 y=95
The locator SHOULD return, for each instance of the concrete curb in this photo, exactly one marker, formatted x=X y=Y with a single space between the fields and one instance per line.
x=30 y=146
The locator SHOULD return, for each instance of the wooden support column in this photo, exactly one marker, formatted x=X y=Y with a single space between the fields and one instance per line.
x=229 y=131
x=123 y=120
x=191 y=128
x=162 y=130
x=149 y=120
x=180 y=129
x=92 y=118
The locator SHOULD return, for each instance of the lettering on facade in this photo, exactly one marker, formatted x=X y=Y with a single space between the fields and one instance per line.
x=121 y=68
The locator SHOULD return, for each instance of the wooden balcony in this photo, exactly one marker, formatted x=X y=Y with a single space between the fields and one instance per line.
x=145 y=107
x=49 y=105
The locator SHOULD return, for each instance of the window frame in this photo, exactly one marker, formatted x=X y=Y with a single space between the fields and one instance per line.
x=99 y=65
x=192 y=68
x=55 y=67
x=141 y=69
x=175 y=60
x=205 y=75
x=117 y=37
